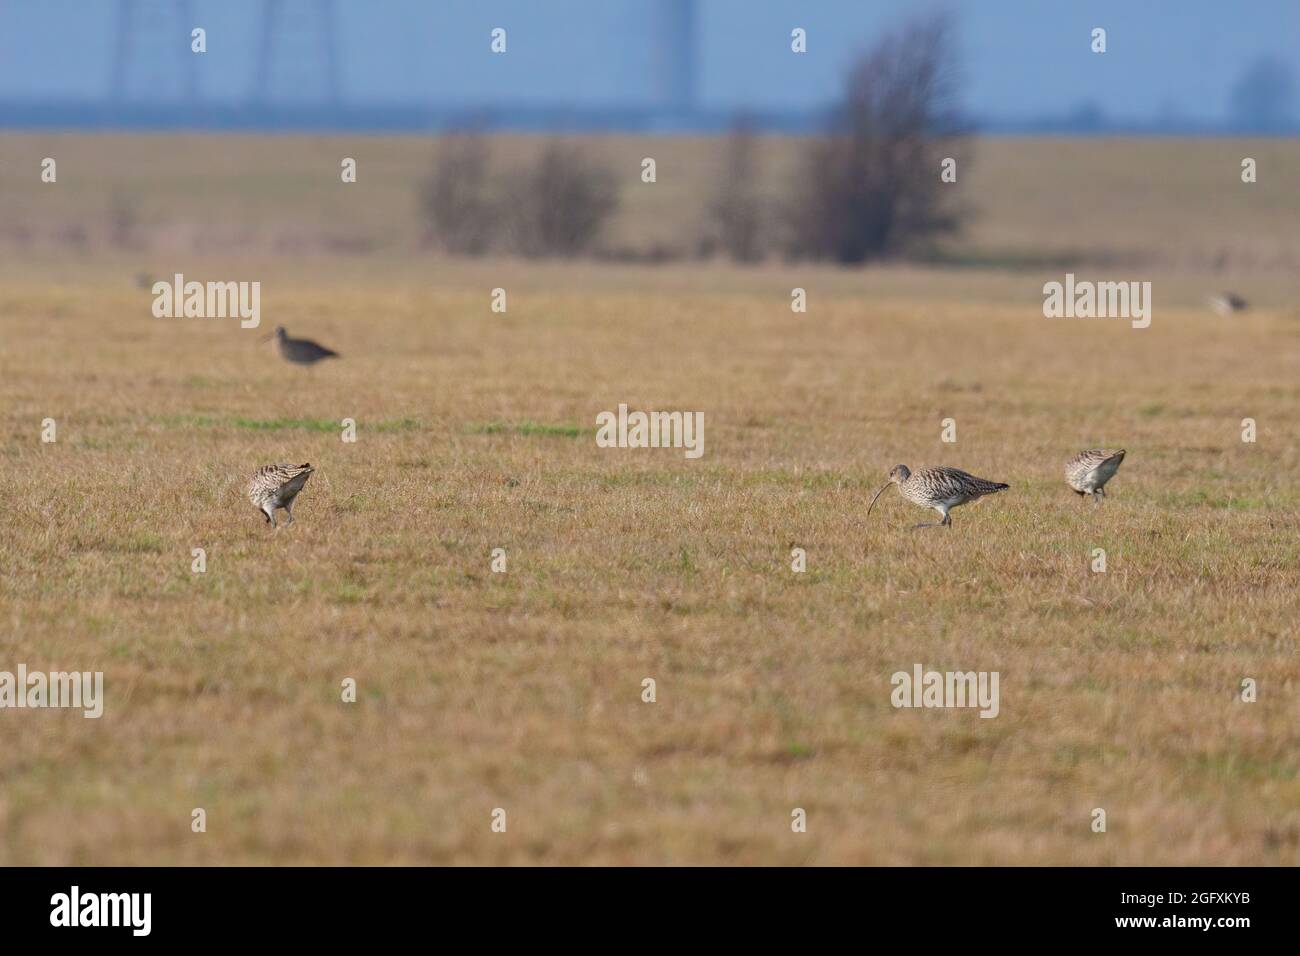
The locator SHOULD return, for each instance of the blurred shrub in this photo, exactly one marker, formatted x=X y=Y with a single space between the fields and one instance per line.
x=559 y=204
x=736 y=211
x=870 y=186
x=457 y=205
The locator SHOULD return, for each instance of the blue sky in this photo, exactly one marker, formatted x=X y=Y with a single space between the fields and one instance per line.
x=1020 y=58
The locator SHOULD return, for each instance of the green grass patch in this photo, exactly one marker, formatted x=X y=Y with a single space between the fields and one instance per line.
x=560 y=429
x=1205 y=499
x=286 y=424
x=1011 y=260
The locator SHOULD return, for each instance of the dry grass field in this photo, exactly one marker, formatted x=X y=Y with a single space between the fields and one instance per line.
x=522 y=690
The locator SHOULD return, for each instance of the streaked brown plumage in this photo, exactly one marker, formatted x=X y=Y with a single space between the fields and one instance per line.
x=1088 y=471
x=939 y=488
x=276 y=486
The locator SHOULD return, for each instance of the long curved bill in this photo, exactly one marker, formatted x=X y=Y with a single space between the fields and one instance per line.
x=878 y=494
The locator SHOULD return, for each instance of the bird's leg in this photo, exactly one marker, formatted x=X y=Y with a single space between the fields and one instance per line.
x=947 y=521
x=288 y=509
x=1096 y=497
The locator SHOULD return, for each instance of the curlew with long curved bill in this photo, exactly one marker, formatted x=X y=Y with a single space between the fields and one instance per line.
x=939 y=488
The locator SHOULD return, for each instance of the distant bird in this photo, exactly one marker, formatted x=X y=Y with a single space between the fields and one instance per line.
x=1088 y=471
x=1228 y=303
x=300 y=351
x=276 y=486
x=939 y=488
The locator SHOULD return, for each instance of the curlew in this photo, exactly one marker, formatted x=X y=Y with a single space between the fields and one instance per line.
x=301 y=351
x=939 y=488
x=1228 y=303
x=276 y=486
x=1088 y=471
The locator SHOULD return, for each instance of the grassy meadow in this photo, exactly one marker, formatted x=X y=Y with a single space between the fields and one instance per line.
x=475 y=431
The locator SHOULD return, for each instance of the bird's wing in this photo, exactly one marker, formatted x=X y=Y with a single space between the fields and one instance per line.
x=950 y=482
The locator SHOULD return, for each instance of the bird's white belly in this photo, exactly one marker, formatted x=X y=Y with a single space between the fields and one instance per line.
x=1100 y=475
